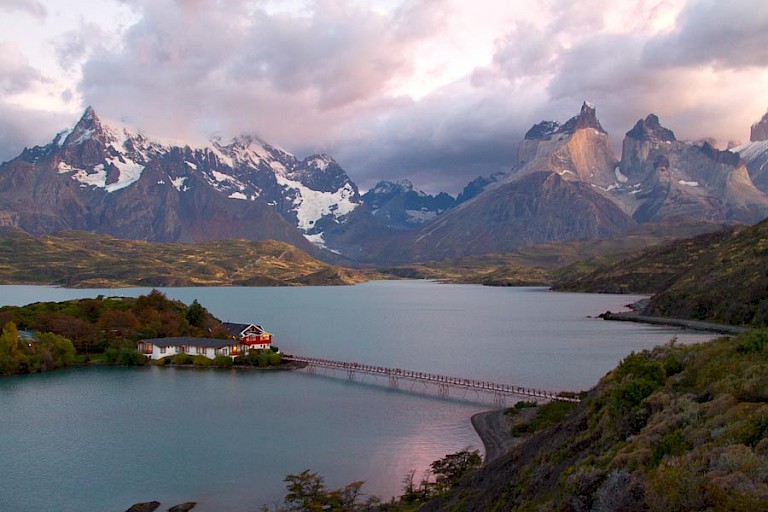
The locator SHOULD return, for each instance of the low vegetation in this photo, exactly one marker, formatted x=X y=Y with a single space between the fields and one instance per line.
x=673 y=429
x=677 y=428
x=38 y=353
x=86 y=260
x=306 y=491
x=719 y=277
x=113 y=325
x=539 y=265
x=107 y=329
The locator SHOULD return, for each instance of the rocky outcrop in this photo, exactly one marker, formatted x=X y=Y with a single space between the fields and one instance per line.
x=577 y=150
x=559 y=190
x=663 y=178
x=755 y=154
x=759 y=130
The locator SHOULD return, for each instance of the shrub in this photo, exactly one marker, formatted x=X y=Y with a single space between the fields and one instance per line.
x=182 y=359
x=753 y=342
x=223 y=361
x=673 y=443
x=201 y=361
x=130 y=358
x=519 y=406
x=547 y=415
x=110 y=355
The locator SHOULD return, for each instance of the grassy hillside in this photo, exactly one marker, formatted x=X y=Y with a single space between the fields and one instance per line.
x=720 y=277
x=678 y=428
x=86 y=260
x=537 y=265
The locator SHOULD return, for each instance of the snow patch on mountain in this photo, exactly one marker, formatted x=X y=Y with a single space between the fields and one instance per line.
x=130 y=172
x=421 y=216
x=178 y=184
x=94 y=178
x=311 y=205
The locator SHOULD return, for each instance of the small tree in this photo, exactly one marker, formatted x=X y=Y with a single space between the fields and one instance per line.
x=306 y=491
x=11 y=356
x=451 y=468
x=196 y=314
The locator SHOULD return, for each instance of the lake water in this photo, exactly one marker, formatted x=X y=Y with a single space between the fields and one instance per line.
x=101 y=439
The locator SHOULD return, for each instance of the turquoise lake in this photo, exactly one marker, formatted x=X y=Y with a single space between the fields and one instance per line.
x=101 y=439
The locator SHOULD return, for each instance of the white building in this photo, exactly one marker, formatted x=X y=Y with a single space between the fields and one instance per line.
x=158 y=348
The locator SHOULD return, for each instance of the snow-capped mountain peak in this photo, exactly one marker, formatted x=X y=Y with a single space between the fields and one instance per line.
x=106 y=157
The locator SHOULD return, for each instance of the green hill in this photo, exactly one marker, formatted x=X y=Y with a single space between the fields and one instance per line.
x=86 y=260
x=719 y=277
x=678 y=428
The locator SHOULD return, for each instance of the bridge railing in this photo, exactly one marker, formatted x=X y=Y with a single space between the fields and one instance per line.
x=396 y=373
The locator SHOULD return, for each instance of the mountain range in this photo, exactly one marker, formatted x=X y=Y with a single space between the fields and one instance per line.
x=566 y=184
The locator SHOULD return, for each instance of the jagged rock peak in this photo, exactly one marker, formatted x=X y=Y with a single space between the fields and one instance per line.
x=89 y=126
x=587 y=118
x=721 y=157
x=542 y=131
x=649 y=129
x=759 y=130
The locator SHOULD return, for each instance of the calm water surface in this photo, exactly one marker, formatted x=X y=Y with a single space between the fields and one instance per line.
x=103 y=438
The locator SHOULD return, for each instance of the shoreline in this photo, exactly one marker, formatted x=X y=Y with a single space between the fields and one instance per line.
x=696 y=325
x=493 y=429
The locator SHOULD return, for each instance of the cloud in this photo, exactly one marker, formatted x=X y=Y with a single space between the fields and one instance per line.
x=31 y=7
x=16 y=75
x=287 y=76
x=710 y=33
x=437 y=91
x=20 y=128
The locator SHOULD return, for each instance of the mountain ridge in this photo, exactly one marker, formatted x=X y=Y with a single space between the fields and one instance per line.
x=566 y=184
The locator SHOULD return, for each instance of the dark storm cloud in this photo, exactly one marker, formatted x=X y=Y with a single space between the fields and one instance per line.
x=20 y=128
x=440 y=143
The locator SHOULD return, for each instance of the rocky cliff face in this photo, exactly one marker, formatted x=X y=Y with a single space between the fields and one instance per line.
x=661 y=177
x=566 y=184
x=759 y=130
x=579 y=149
x=557 y=191
x=536 y=208
x=755 y=154
x=113 y=180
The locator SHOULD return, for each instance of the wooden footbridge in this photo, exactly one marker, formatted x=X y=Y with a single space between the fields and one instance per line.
x=443 y=383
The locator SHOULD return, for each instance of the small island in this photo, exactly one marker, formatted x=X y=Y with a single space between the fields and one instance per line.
x=150 y=329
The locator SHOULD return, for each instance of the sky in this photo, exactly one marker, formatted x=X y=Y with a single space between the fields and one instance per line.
x=435 y=91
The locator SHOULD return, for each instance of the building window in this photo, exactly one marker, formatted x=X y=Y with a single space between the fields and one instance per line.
x=200 y=350
x=162 y=350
